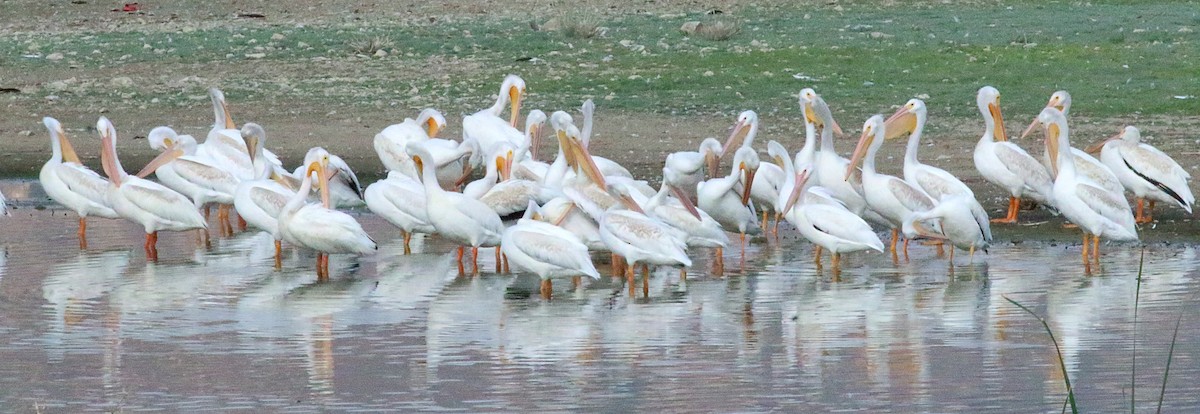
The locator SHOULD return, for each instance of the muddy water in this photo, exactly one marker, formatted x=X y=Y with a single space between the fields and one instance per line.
x=220 y=328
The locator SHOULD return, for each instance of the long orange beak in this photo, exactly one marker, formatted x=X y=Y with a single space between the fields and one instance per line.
x=801 y=179
x=108 y=158
x=228 y=117
x=740 y=130
x=514 y=98
x=629 y=203
x=860 y=151
x=162 y=159
x=685 y=200
x=998 y=134
x=535 y=141
x=712 y=160
x=1052 y=147
x=1094 y=148
x=68 y=151
x=900 y=123
x=420 y=164
x=432 y=126
x=586 y=164
x=749 y=174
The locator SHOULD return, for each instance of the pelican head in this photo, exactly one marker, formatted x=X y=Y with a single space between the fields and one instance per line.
x=59 y=141
x=777 y=152
x=711 y=149
x=1060 y=100
x=802 y=175
x=671 y=180
x=432 y=120
x=988 y=101
x=513 y=87
x=817 y=111
x=222 y=117
x=534 y=122
x=747 y=121
x=621 y=193
x=419 y=154
x=108 y=151
x=255 y=137
x=1055 y=124
x=872 y=137
x=905 y=120
x=502 y=159
x=1128 y=134
x=746 y=163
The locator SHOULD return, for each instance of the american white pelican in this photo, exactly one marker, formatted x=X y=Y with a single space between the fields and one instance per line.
x=527 y=165
x=1146 y=172
x=1085 y=164
x=1098 y=212
x=262 y=158
x=318 y=226
x=743 y=132
x=486 y=128
x=259 y=202
x=344 y=189
x=828 y=225
x=728 y=202
x=492 y=173
x=150 y=204
x=224 y=144
x=768 y=181
x=546 y=250
x=936 y=182
x=400 y=200
x=894 y=199
x=606 y=166
x=956 y=222
x=671 y=205
x=71 y=184
x=194 y=176
x=455 y=216
x=829 y=167
x=640 y=239
x=692 y=167
x=1004 y=163
x=390 y=143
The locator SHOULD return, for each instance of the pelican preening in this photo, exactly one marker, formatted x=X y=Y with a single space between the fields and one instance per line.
x=580 y=202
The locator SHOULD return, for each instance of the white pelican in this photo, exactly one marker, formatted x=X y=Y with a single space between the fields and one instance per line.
x=400 y=200
x=512 y=195
x=1098 y=212
x=692 y=166
x=262 y=158
x=4 y=206
x=71 y=184
x=486 y=128
x=319 y=227
x=1085 y=164
x=492 y=172
x=640 y=239
x=1146 y=172
x=679 y=212
x=910 y=119
x=390 y=143
x=455 y=216
x=958 y=224
x=546 y=250
x=259 y=202
x=606 y=166
x=829 y=167
x=768 y=181
x=828 y=225
x=196 y=177
x=528 y=166
x=224 y=143
x=1004 y=163
x=150 y=204
x=743 y=132
x=894 y=199
x=344 y=189
x=727 y=203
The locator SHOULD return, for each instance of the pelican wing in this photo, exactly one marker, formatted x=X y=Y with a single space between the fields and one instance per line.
x=330 y=231
x=1149 y=162
x=269 y=201
x=640 y=232
x=552 y=250
x=345 y=175
x=82 y=181
x=937 y=182
x=1111 y=206
x=205 y=174
x=1021 y=164
x=512 y=196
x=911 y=197
x=840 y=223
x=162 y=202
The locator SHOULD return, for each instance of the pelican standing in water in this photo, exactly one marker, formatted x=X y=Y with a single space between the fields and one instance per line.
x=546 y=250
x=829 y=226
x=194 y=176
x=1085 y=164
x=640 y=239
x=391 y=141
x=728 y=203
x=1004 y=163
x=141 y=201
x=455 y=216
x=68 y=182
x=692 y=167
x=400 y=200
x=260 y=200
x=830 y=167
x=1097 y=211
x=1146 y=172
x=957 y=223
x=319 y=227
x=894 y=199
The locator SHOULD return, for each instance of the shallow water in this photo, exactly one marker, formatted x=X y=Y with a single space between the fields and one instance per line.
x=102 y=330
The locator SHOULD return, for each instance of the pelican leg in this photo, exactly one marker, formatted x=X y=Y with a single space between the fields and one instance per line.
x=764 y=225
x=222 y=218
x=207 y=211
x=645 y=281
x=1086 y=242
x=241 y=223
x=906 y=249
x=1149 y=210
x=719 y=261
x=152 y=246
x=683 y=274
x=837 y=262
x=775 y=228
x=895 y=238
x=952 y=255
x=742 y=242
x=575 y=281
x=82 y=233
x=972 y=253
x=1096 y=248
x=278 y=254
x=407 y=239
x=504 y=259
x=547 y=288
x=1139 y=215
x=461 y=250
x=1014 y=204
x=817 y=256
x=499 y=265
x=474 y=260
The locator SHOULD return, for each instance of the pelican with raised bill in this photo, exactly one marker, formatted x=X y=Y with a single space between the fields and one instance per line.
x=828 y=225
x=457 y=217
x=68 y=182
x=829 y=167
x=894 y=199
x=546 y=250
x=152 y=205
x=1146 y=172
x=1005 y=164
x=606 y=166
x=1097 y=211
x=318 y=226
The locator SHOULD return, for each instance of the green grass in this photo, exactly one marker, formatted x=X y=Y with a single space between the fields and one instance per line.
x=1116 y=57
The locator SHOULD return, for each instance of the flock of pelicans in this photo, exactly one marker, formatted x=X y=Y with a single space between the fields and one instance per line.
x=580 y=203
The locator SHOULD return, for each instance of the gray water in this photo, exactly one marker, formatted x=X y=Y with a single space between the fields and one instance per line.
x=221 y=329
